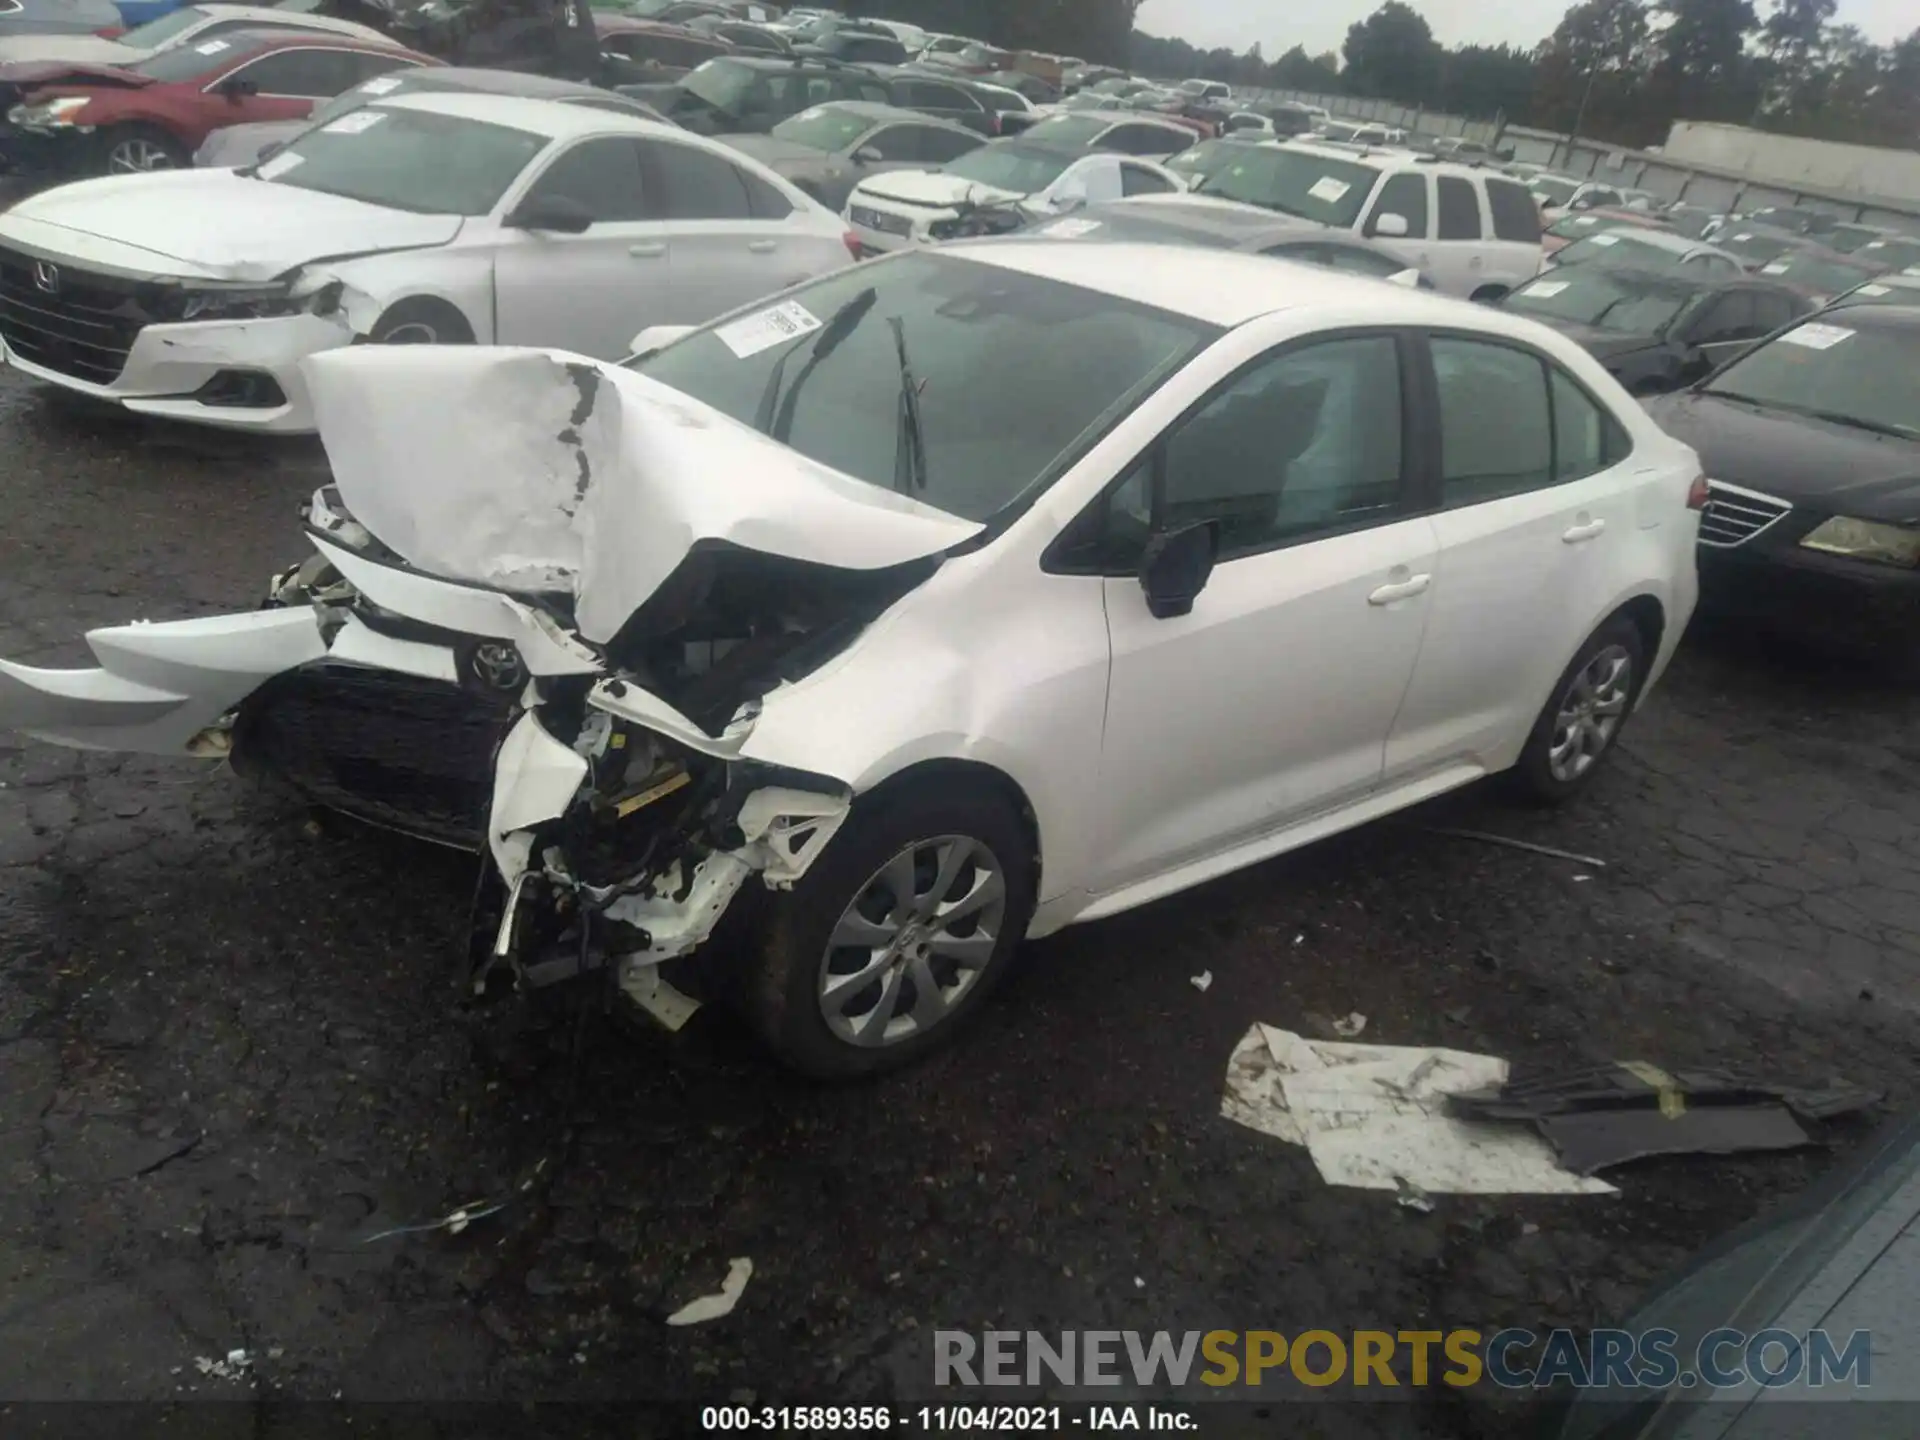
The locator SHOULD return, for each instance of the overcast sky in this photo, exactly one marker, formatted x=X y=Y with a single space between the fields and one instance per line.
x=1276 y=28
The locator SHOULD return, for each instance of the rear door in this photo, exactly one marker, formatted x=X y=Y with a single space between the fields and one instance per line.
x=1537 y=533
x=1459 y=236
x=594 y=291
x=734 y=237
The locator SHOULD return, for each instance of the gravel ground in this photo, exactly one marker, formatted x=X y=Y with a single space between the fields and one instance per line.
x=229 y=1052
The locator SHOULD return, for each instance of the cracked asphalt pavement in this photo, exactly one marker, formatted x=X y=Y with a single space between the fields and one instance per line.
x=229 y=1052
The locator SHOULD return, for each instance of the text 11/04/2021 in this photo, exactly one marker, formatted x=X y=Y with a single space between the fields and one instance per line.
x=943 y=1419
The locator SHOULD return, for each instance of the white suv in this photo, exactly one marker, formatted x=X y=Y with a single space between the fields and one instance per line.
x=1472 y=231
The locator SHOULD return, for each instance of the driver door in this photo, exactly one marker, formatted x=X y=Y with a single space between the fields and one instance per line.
x=1271 y=701
x=590 y=292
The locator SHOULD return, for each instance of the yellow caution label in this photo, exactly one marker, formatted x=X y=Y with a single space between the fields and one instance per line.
x=652 y=793
x=1673 y=1104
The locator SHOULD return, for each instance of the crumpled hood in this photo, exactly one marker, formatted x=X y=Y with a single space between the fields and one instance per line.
x=536 y=470
x=932 y=188
x=66 y=50
x=211 y=224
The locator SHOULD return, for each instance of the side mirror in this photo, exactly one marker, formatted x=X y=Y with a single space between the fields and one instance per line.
x=269 y=150
x=656 y=337
x=1390 y=225
x=867 y=155
x=1176 y=566
x=237 y=88
x=552 y=212
x=1408 y=278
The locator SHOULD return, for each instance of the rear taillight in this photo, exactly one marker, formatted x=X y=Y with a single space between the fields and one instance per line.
x=1697 y=493
x=852 y=241
x=993 y=120
x=111 y=32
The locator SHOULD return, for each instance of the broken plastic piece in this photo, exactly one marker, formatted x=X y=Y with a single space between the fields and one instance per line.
x=642 y=984
x=1412 y=1197
x=1201 y=981
x=713 y=1307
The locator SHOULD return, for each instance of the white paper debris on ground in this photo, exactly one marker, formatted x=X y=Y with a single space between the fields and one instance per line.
x=712 y=1307
x=1201 y=981
x=1374 y=1117
x=233 y=1367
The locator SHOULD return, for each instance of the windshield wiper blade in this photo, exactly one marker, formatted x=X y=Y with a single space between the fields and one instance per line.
x=775 y=419
x=1876 y=427
x=910 y=449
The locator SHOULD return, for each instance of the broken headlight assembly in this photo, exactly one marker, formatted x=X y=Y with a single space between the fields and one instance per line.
x=1868 y=540
x=203 y=300
x=50 y=114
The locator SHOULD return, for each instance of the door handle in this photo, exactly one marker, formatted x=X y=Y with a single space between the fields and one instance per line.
x=1400 y=590
x=649 y=250
x=763 y=247
x=1587 y=530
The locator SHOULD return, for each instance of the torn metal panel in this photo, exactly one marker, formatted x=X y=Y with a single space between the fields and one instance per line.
x=157 y=686
x=1590 y=1140
x=1375 y=1117
x=531 y=470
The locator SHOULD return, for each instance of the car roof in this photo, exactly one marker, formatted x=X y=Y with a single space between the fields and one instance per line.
x=280 y=37
x=1223 y=287
x=271 y=17
x=1227 y=220
x=524 y=83
x=875 y=111
x=1881 y=317
x=519 y=112
x=612 y=22
x=1391 y=159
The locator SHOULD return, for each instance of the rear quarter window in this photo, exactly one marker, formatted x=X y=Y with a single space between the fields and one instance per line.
x=1515 y=216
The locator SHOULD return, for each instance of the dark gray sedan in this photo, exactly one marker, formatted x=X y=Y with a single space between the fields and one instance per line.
x=828 y=150
x=58 y=17
x=1196 y=220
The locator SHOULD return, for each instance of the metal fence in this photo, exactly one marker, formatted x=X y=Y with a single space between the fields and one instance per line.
x=1433 y=123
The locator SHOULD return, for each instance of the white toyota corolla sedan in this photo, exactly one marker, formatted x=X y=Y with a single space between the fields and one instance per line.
x=936 y=604
x=195 y=294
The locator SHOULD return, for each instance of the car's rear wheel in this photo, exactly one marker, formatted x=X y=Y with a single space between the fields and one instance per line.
x=898 y=933
x=1581 y=724
x=138 y=149
x=422 y=322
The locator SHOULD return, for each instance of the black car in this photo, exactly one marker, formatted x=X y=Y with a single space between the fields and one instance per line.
x=831 y=148
x=1655 y=330
x=750 y=94
x=857 y=47
x=1811 y=447
x=949 y=96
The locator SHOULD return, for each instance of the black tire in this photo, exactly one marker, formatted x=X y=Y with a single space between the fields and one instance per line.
x=136 y=149
x=1535 y=777
x=422 y=321
x=782 y=991
x=1489 y=294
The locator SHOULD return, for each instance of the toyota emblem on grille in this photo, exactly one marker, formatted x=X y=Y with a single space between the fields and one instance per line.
x=497 y=667
x=46 y=277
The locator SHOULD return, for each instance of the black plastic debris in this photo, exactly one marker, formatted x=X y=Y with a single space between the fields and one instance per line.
x=1631 y=1110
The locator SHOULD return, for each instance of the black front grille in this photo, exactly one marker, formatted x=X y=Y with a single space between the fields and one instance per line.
x=77 y=322
x=410 y=754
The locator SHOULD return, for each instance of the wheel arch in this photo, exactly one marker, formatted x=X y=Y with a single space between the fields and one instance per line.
x=956 y=770
x=1493 y=290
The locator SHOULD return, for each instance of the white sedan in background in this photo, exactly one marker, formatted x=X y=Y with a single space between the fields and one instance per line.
x=942 y=602
x=904 y=208
x=423 y=218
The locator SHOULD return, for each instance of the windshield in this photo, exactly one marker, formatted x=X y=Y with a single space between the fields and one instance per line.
x=1021 y=169
x=407 y=160
x=1202 y=158
x=1891 y=254
x=1625 y=246
x=1292 y=182
x=361 y=94
x=723 y=84
x=1889 y=290
x=1816 y=272
x=1609 y=299
x=1870 y=377
x=1069 y=129
x=1014 y=373
x=1552 y=191
x=823 y=128
x=1752 y=246
x=1572 y=227
x=1850 y=237
x=155 y=33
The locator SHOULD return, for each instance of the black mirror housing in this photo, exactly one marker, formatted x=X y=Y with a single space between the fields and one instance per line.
x=1175 y=567
x=554 y=213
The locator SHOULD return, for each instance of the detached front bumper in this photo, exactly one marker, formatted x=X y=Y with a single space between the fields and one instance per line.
x=233 y=374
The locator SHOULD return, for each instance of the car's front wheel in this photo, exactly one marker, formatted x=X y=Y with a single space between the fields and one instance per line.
x=422 y=321
x=1581 y=723
x=899 y=931
x=137 y=149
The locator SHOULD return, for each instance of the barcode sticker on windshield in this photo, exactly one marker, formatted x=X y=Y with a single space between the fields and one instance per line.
x=354 y=123
x=385 y=85
x=1817 y=337
x=1874 y=290
x=1328 y=189
x=1070 y=229
x=279 y=165
x=212 y=47
x=764 y=329
x=1778 y=267
x=1744 y=235
x=1547 y=289
x=1603 y=239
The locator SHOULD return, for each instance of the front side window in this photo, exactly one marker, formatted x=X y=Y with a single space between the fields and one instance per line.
x=407 y=160
x=1292 y=182
x=601 y=176
x=1302 y=444
x=313 y=74
x=1731 y=317
x=1357 y=261
x=939 y=147
x=895 y=142
x=1012 y=372
x=1405 y=196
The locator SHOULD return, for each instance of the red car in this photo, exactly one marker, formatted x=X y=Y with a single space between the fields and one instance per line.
x=644 y=51
x=95 y=119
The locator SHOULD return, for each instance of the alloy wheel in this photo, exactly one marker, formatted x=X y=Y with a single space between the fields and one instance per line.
x=1589 y=713
x=411 y=332
x=914 y=942
x=136 y=157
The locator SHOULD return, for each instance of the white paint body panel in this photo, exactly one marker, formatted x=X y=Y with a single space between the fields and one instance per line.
x=923 y=198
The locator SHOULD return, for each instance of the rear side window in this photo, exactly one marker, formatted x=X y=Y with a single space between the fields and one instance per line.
x=1496 y=430
x=1138 y=180
x=694 y=185
x=1586 y=437
x=1405 y=196
x=1514 y=214
x=767 y=202
x=1459 y=209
